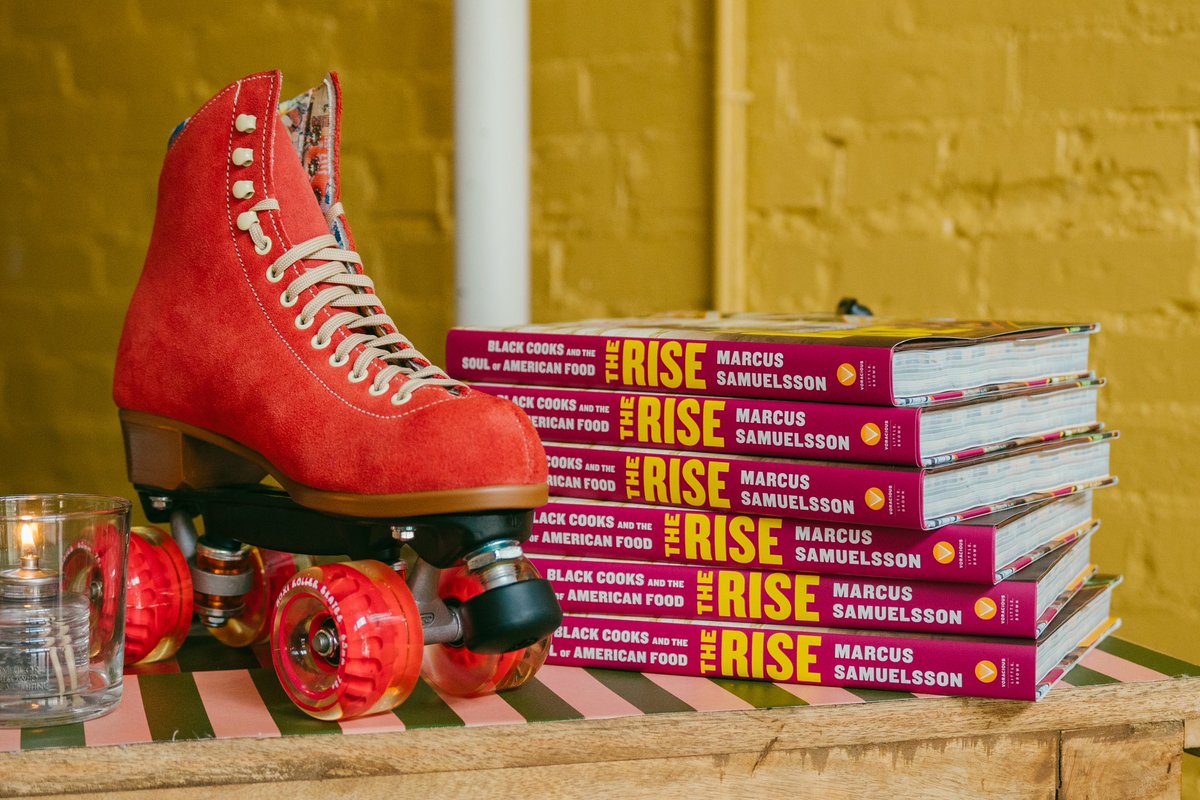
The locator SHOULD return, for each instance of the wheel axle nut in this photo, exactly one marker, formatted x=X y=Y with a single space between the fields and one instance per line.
x=325 y=643
x=510 y=551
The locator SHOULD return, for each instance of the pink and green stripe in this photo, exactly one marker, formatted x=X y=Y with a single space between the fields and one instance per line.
x=209 y=691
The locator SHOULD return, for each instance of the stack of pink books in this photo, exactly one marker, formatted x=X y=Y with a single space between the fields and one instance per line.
x=843 y=500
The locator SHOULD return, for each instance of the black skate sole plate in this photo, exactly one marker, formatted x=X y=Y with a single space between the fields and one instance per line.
x=265 y=516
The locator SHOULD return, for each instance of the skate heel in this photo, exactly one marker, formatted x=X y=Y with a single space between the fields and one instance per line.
x=165 y=457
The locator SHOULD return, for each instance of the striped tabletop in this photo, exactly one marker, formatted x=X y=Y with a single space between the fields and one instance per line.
x=211 y=691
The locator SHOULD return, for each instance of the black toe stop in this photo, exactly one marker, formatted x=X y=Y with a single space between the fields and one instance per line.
x=510 y=617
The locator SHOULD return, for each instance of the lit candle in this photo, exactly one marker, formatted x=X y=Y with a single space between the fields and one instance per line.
x=29 y=546
x=29 y=580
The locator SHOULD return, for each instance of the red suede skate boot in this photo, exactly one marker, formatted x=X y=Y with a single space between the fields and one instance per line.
x=254 y=343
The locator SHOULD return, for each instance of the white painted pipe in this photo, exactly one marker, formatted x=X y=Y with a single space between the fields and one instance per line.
x=491 y=161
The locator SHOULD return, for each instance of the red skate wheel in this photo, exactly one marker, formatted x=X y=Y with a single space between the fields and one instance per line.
x=158 y=597
x=270 y=570
x=92 y=567
x=347 y=640
x=461 y=672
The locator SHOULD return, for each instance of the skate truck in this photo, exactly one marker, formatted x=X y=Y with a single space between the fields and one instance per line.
x=255 y=345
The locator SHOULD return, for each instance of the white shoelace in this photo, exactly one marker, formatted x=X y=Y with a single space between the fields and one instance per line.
x=353 y=292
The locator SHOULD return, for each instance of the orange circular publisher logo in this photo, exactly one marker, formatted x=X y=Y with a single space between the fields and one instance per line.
x=986 y=671
x=875 y=498
x=870 y=434
x=985 y=608
x=943 y=552
x=847 y=374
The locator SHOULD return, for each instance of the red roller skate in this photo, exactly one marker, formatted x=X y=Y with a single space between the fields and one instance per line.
x=255 y=345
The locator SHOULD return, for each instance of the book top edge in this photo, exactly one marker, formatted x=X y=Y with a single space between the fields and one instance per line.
x=828 y=329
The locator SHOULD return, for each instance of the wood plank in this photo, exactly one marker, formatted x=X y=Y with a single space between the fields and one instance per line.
x=1014 y=767
x=1123 y=762
x=431 y=750
x=1191 y=733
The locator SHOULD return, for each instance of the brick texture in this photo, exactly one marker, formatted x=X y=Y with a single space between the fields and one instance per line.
x=621 y=123
x=1013 y=158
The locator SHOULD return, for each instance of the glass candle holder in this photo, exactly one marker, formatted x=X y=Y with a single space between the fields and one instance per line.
x=62 y=607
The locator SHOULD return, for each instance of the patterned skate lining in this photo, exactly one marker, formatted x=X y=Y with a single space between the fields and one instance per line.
x=310 y=120
x=212 y=691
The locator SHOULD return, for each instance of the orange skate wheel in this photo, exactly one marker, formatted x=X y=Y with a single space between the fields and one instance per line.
x=92 y=568
x=347 y=640
x=464 y=673
x=271 y=570
x=158 y=597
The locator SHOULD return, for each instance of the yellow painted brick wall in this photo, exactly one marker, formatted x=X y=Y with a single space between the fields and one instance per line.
x=1014 y=158
x=1010 y=159
x=622 y=140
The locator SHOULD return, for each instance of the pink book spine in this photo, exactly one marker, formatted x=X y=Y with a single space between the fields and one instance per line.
x=866 y=434
x=587 y=586
x=823 y=373
x=959 y=665
x=809 y=490
x=955 y=553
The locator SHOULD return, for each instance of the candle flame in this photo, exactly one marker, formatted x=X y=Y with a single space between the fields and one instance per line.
x=28 y=538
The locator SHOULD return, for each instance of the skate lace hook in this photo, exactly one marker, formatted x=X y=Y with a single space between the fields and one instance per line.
x=248 y=221
x=358 y=310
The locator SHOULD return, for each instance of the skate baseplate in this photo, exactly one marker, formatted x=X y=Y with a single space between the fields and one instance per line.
x=264 y=516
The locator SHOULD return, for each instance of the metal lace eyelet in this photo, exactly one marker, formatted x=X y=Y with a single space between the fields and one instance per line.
x=272 y=275
x=376 y=391
x=358 y=377
x=304 y=324
x=320 y=344
x=399 y=401
x=262 y=247
x=336 y=361
x=287 y=299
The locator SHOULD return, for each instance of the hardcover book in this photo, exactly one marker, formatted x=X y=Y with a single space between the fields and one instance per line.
x=900 y=497
x=1021 y=606
x=866 y=434
x=1015 y=669
x=825 y=358
x=982 y=551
